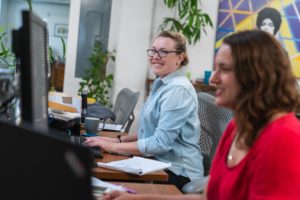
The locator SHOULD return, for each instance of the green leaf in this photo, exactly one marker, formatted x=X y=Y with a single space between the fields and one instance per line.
x=170 y=3
x=64 y=47
x=2 y=35
x=29 y=5
x=208 y=20
x=2 y=46
x=192 y=20
x=197 y=36
x=193 y=3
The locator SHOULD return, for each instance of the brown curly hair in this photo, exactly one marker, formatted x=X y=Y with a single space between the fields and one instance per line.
x=268 y=86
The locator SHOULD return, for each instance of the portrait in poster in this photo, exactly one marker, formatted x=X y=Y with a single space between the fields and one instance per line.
x=279 y=17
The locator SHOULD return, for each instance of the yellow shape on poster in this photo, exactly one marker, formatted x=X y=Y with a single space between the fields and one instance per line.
x=296 y=66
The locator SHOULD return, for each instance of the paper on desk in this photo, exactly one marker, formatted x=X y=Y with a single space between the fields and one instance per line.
x=66 y=115
x=136 y=165
x=105 y=186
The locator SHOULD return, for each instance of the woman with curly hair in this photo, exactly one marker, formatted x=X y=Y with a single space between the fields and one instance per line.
x=258 y=156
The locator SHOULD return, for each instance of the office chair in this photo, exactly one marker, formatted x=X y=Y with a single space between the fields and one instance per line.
x=124 y=107
x=213 y=120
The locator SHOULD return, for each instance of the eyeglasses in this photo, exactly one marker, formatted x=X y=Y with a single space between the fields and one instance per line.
x=160 y=53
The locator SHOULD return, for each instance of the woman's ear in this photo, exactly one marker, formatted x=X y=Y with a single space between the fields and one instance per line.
x=181 y=57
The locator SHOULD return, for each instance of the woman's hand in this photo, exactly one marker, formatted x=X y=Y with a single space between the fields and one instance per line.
x=104 y=143
x=117 y=195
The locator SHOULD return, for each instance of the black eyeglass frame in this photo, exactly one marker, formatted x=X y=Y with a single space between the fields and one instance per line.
x=158 y=52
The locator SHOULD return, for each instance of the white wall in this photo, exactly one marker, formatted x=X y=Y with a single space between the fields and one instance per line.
x=133 y=25
x=71 y=84
x=131 y=43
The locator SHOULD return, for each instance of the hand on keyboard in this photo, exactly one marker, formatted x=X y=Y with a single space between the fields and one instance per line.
x=101 y=142
x=79 y=140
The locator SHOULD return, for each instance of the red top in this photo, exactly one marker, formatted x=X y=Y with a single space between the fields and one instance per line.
x=270 y=170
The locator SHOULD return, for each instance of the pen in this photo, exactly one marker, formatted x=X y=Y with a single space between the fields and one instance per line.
x=128 y=190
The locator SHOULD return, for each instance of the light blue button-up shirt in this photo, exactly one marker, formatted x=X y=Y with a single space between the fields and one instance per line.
x=169 y=126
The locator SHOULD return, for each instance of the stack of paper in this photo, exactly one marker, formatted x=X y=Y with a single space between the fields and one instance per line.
x=64 y=115
x=136 y=165
x=101 y=187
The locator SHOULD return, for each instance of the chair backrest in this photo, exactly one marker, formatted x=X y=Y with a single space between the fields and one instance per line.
x=213 y=120
x=124 y=107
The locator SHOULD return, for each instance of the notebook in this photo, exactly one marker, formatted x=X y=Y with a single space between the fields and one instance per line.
x=136 y=165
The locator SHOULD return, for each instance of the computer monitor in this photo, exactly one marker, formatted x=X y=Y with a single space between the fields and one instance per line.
x=37 y=166
x=30 y=44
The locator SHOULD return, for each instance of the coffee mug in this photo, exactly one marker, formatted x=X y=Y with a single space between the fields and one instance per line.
x=91 y=125
x=207 y=74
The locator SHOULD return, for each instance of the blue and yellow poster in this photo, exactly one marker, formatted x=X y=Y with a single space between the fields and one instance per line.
x=280 y=17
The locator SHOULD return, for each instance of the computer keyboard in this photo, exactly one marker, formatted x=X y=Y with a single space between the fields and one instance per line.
x=77 y=139
x=96 y=152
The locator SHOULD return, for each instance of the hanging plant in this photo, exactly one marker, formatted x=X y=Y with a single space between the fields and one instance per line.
x=190 y=20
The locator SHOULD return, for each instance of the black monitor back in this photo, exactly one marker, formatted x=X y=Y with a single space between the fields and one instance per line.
x=37 y=166
x=30 y=44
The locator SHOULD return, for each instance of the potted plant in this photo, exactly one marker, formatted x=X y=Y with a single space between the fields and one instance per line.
x=7 y=57
x=190 y=20
x=96 y=82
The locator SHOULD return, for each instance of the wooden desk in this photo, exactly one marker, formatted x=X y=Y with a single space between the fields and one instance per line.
x=108 y=174
x=148 y=188
x=112 y=134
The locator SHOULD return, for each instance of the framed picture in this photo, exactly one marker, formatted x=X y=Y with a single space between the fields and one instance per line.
x=248 y=14
x=61 y=30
